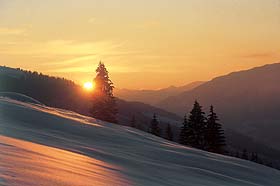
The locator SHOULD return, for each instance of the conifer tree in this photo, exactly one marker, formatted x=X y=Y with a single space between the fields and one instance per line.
x=103 y=103
x=169 y=133
x=154 y=129
x=214 y=134
x=186 y=133
x=197 y=125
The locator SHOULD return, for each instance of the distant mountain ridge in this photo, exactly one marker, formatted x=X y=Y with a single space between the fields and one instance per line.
x=247 y=101
x=153 y=97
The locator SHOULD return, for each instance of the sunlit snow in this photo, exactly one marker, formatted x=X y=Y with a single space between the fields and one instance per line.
x=47 y=146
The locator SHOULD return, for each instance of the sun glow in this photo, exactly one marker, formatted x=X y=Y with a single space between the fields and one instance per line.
x=88 y=86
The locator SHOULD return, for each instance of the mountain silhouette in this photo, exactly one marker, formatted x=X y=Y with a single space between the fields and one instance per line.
x=247 y=102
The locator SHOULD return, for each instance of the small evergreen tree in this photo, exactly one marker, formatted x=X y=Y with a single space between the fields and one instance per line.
x=169 y=133
x=214 y=134
x=103 y=102
x=197 y=125
x=186 y=133
x=154 y=129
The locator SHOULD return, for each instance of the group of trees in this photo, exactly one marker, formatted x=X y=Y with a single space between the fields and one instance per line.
x=202 y=132
x=156 y=130
x=198 y=130
x=254 y=157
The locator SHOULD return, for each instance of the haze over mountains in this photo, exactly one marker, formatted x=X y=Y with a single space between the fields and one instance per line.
x=154 y=97
x=247 y=101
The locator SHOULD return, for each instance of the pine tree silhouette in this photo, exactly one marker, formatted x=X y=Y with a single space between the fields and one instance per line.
x=197 y=125
x=169 y=133
x=154 y=129
x=103 y=102
x=214 y=134
x=186 y=133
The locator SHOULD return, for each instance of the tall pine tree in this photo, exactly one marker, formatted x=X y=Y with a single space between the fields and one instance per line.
x=154 y=129
x=103 y=103
x=214 y=136
x=197 y=125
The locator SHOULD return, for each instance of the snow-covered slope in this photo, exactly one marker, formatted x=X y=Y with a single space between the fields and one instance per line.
x=19 y=97
x=46 y=146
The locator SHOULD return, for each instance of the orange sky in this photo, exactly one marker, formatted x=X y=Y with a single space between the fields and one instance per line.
x=145 y=44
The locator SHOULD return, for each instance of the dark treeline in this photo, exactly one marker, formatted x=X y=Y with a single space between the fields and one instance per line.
x=51 y=91
x=252 y=156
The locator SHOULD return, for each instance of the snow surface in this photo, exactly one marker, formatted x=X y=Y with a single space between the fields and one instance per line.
x=43 y=146
x=19 y=97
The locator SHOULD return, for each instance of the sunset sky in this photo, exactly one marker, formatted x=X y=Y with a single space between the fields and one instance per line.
x=145 y=43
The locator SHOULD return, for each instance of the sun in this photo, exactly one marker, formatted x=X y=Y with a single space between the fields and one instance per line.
x=88 y=86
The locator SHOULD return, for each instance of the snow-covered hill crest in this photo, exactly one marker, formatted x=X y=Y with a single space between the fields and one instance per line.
x=48 y=146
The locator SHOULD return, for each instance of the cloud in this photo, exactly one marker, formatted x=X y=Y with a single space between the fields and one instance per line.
x=60 y=48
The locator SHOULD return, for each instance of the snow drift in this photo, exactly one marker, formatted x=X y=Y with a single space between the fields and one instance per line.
x=44 y=146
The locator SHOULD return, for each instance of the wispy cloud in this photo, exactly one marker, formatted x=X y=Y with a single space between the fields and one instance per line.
x=58 y=56
x=61 y=48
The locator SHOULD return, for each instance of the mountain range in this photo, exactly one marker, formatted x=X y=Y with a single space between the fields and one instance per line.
x=247 y=102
